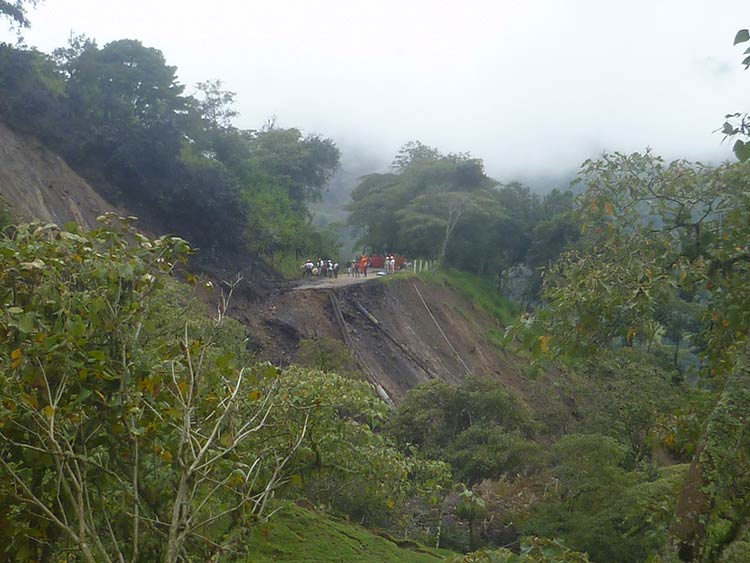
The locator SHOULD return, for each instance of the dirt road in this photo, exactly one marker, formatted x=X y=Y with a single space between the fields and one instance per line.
x=342 y=280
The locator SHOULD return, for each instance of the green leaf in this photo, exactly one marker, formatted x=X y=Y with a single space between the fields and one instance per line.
x=742 y=36
x=742 y=151
x=72 y=236
x=26 y=324
x=77 y=328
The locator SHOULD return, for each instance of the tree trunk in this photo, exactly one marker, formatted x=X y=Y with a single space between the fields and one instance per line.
x=178 y=523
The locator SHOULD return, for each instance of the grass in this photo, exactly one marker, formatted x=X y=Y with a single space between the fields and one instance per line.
x=298 y=535
x=481 y=292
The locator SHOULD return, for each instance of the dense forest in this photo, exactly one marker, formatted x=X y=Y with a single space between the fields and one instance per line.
x=122 y=120
x=137 y=424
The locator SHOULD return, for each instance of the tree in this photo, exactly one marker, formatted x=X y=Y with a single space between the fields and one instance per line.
x=647 y=228
x=302 y=165
x=129 y=429
x=418 y=208
x=433 y=217
x=653 y=233
x=15 y=11
x=480 y=429
x=346 y=459
x=412 y=152
x=32 y=93
x=215 y=104
x=132 y=112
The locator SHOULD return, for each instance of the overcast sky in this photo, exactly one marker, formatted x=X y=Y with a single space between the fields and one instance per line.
x=533 y=87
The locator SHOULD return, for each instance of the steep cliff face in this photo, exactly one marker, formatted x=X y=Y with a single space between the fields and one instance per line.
x=403 y=332
x=35 y=183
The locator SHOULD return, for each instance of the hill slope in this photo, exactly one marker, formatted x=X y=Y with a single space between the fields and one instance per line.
x=35 y=183
x=402 y=331
x=300 y=536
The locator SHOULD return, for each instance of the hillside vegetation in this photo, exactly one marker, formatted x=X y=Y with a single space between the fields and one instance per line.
x=120 y=118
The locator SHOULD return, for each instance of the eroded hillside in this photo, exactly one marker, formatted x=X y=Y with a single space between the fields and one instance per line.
x=403 y=331
x=36 y=183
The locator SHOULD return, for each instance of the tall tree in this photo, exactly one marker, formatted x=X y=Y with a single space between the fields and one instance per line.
x=302 y=164
x=431 y=205
x=132 y=107
x=652 y=233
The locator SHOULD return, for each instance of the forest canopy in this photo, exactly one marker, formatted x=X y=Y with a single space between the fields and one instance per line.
x=120 y=117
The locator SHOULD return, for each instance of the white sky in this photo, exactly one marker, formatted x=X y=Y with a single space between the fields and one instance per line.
x=533 y=86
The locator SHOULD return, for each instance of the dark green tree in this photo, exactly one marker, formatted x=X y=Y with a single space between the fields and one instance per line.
x=131 y=110
x=302 y=165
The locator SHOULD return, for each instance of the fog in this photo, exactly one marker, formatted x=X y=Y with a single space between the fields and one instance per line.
x=532 y=87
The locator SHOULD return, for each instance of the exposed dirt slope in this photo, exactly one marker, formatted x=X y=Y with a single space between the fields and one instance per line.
x=402 y=331
x=35 y=183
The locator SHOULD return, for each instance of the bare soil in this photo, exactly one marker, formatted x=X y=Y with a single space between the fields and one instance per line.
x=35 y=183
x=399 y=338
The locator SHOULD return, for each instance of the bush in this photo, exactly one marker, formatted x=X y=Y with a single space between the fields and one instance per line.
x=481 y=429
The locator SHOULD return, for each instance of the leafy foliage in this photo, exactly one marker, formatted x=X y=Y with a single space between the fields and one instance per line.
x=444 y=207
x=477 y=427
x=15 y=11
x=346 y=460
x=104 y=388
x=418 y=208
x=603 y=509
x=653 y=233
x=113 y=380
x=664 y=253
x=533 y=550
x=325 y=354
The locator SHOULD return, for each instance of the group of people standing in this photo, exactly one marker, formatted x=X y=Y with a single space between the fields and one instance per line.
x=390 y=264
x=321 y=267
x=357 y=267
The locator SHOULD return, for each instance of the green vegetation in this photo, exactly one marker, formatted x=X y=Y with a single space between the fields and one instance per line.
x=112 y=379
x=480 y=429
x=5 y=216
x=136 y=427
x=301 y=536
x=656 y=236
x=122 y=120
x=478 y=290
x=326 y=354
x=444 y=207
x=532 y=550
x=15 y=11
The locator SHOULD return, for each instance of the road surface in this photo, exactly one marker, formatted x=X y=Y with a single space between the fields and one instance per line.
x=342 y=280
